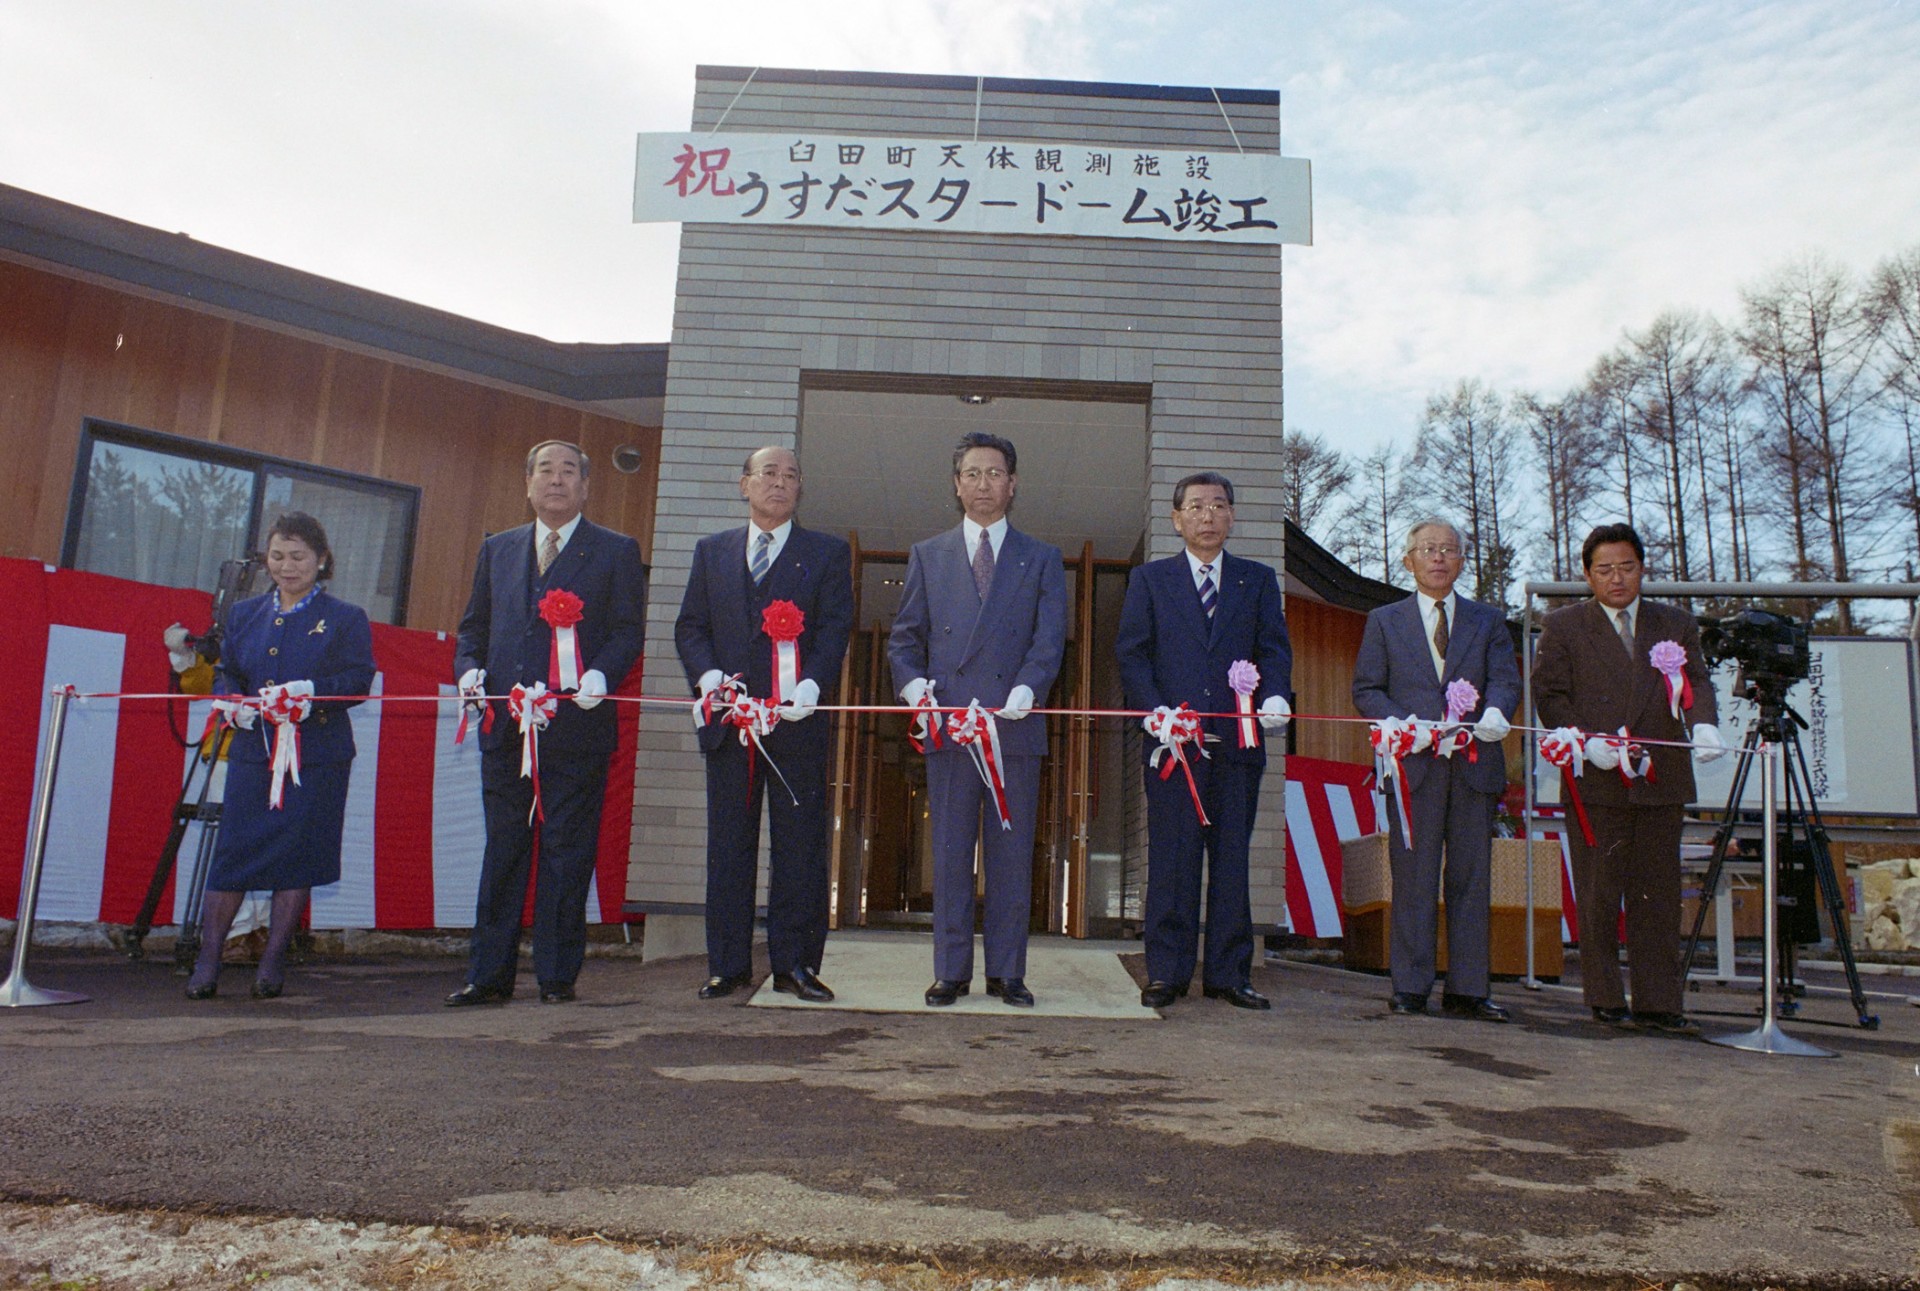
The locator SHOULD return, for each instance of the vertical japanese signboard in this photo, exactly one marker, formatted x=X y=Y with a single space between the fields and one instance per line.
x=974 y=186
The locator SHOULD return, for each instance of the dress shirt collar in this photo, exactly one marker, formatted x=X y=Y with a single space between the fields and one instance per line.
x=780 y=534
x=540 y=532
x=996 y=534
x=1632 y=611
x=1194 y=563
x=1429 y=606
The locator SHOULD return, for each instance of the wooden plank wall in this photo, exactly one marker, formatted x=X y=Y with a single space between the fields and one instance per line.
x=1326 y=639
x=71 y=350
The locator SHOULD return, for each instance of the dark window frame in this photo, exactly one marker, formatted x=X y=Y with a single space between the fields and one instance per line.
x=98 y=430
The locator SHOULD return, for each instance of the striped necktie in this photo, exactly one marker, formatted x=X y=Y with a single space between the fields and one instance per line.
x=762 y=558
x=1209 y=596
x=983 y=565
x=549 y=551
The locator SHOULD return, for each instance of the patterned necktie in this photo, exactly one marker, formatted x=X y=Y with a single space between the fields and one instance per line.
x=1209 y=597
x=983 y=565
x=761 y=557
x=549 y=551
x=1626 y=631
x=1441 y=637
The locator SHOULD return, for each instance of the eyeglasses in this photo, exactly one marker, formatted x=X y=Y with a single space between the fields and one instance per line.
x=1206 y=510
x=773 y=475
x=1430 y=551
x=974 y=474
x=1625 y=569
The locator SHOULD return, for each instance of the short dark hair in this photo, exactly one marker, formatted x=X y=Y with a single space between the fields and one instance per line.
x=981 y=439
x=298 y=524
x=586 y=466
x=1201 y=477
x=1611 y=533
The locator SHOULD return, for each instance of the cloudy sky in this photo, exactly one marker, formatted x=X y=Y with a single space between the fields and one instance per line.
x=1500 y=187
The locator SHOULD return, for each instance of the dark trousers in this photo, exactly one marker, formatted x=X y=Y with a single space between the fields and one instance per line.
x=1453 y=836
x=797 y=861
x=1176 y=841
x=571 y=789
x=962 y=813
x=1635 y=857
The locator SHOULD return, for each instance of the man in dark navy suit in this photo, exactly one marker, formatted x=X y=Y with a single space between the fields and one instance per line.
x=503 y=642
x=983 y=617
x=736 y=576
x=1410 y=652
x=1186 y=621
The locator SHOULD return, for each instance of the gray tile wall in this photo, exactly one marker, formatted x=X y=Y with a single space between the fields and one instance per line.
x=755 y=307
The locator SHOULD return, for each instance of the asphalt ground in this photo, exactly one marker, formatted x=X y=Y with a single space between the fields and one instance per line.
x=1323 y=1135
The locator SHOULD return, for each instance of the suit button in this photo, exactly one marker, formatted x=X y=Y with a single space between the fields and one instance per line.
x=278 y=622
x=273 y=649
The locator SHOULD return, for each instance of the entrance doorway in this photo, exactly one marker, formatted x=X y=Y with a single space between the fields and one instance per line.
x=878 y=469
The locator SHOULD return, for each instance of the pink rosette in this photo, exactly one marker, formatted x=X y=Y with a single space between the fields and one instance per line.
x=1462 y=698
x=1669 y=658
x=1243 y=679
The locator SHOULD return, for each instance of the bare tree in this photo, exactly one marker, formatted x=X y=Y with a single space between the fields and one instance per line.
x=1313 y=475
x=1677 y=361
x=1893 y=311
x=1466 y=459
x=1567 y=454
x=1366 y=533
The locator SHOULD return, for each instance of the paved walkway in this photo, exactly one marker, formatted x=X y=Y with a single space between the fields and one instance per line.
x=1324 y=1131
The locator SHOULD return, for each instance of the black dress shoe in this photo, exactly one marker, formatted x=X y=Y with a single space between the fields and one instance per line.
x=1013 y=990
x=1407 y=1004
x=944 y=992
x=470 y=995
x=562 y=994
x=1479 y=1008
x=1159 y=995
x=1675 y=1024
x=803 y=983
x=718 y=988
x=206 y=992
x=1241 y=997
x=1619 y=1017
x=265 y=990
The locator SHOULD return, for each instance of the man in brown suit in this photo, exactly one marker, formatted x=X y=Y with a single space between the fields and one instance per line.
x=1592 y=671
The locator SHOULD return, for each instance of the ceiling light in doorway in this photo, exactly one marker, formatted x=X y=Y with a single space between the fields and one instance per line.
x=974 y=400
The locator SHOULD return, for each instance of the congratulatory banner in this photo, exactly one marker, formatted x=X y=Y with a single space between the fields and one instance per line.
x=1075 y=190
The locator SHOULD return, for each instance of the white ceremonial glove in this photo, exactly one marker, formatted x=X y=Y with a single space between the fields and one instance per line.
x=1275 y=712
x=1422 y=734
x=1492 y=727
x=237 y=713
x=473 y=682
x=709 y=679
x=1019 y=704
x=1707 y=744
x=914 y=689
x=806 y=697
x=179 y=654
x=300 y=689
x=1154 y=725
x=593 y=689
x=1602 y=753
x=289 y=695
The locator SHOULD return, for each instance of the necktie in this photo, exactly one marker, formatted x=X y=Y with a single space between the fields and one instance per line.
x=1441 y=637
x=1626 y=631
x=549 y=550
x=761 y=559
x=983 y=565
x=1209 y=596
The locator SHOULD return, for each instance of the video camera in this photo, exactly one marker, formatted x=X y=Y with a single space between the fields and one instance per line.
x=1772 y=651
x=236 y=584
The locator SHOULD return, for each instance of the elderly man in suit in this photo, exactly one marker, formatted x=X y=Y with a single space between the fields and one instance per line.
x=1185 y=623
x=983 y=618
x=503 y=637
x=722 y=633
x=1410 y=652
x=1593 y=670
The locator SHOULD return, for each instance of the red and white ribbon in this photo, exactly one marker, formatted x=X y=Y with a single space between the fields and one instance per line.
x=1393 y=739
x=1453 y=733
x=1636 y=761
x=755 y=720
x=713 y=705
x=1566 y=747
x=1176 y=728
x=533 y=707
x=472 y=703
x=285 y=710
x=783 y=622
x=1243 y=678
x=974 y=731
x=1669 y=659
x=562 y=610
x=924 y=732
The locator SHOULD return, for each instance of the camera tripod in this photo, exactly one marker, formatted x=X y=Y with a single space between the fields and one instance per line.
x=187 y=809
x=1799 y=822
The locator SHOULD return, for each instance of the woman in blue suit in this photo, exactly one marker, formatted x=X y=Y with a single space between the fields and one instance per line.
x=296 y=641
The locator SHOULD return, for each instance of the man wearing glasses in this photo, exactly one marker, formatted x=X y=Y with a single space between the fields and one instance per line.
x=721 y=633
x=1593 y=670
x=983 y=618
x=1186 y=622
x=1410 y=652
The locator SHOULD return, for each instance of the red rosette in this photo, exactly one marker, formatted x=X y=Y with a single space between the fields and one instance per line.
x=560 y=608
x=783 y=621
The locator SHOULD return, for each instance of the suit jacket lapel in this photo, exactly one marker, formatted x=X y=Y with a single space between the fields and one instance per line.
x=1460 y=638
x=732 y=583
x=790 y=570
x=1184 y=594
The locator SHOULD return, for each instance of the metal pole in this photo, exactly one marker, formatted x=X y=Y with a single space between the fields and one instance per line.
x=1768 y=1037
x=1531 y=982
x=17 y=992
